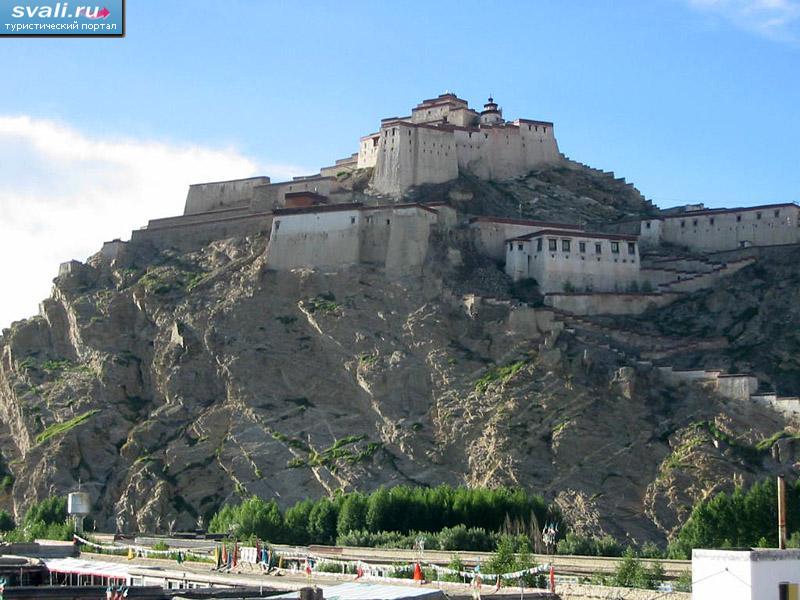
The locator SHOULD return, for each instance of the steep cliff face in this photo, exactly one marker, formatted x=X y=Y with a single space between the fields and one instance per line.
x=170 y=383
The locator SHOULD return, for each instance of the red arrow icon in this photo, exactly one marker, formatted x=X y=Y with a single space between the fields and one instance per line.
x=101 y=14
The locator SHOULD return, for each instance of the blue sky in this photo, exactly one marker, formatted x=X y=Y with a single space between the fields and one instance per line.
x=691 y=100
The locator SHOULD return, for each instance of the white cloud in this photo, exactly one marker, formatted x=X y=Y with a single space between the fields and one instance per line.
x=64 y=192
x=778 y=20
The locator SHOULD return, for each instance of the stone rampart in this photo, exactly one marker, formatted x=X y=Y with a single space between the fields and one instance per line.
x=203 y=197
x=599 y=303
x=193 y=235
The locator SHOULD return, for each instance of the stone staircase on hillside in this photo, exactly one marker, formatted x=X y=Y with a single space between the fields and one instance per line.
x=687 y=274
x=642 y=350
x=634 y=344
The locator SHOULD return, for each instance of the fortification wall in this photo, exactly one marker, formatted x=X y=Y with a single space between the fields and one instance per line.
x=376 y=226
x=368 y=150
x=113 y=249
x=609 y=304
x=410 y=156
x=737 y=387
x=203 y=197
x=539 y=145
x=409 y=240
x=491 y=152
x=193 y=235
x=323 y=239
x=270 y=197
x=344 y=165
x=506 y=152
x=788 y=406
x=205 y=217
x=718 y=231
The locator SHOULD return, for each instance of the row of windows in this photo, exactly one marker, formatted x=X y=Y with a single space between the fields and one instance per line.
x=566 y=246
x=598 y=257
x=776 y=213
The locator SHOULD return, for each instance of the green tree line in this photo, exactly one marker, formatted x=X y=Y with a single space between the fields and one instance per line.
x=740 y=519
x=475 y=512
x=46 y=519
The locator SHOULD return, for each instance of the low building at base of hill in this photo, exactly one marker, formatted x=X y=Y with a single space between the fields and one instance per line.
x=754 y=574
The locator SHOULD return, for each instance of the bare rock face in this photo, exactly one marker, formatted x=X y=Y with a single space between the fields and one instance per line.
x=168 y=384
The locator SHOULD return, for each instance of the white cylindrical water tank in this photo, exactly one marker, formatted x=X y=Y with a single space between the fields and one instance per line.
x=78 y=504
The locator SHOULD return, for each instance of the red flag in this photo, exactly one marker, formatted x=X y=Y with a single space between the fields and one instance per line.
x=224 y=554
x=359 y=573
x=552 y=579
x=418 y=573
x=308 y=567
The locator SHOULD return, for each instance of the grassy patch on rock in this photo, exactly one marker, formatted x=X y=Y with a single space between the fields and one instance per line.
x=498 y=374
x=59 y=428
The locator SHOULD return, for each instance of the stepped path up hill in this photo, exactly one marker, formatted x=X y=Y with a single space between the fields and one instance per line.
x=171 y=383
x=755 y=310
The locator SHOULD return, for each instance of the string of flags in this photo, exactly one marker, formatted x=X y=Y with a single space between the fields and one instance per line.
x=134 y=551
x=477 y=572
x=228 y=556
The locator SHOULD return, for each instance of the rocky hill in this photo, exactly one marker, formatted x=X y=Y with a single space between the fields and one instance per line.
x=170 y=383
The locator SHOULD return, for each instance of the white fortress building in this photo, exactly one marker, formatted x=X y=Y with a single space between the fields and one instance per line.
x=444 y=136
x=718 y=229
x=561 y=257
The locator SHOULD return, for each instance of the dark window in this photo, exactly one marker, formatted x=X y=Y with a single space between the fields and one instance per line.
x=277 y=225
x=777 y=213
x=647 y=225
x=738 y=218
x=694 y=222
x=519 y=247
x=711 y=220
x=758 y=216
x=615 y=247
x=539 y=244
x=510 y=246
x=552 y=244
x=598 y=248
x=631 y=248
x=683 y=223
x=582 y=246
x=565 y=245
x=388 y=221
x=352 y=220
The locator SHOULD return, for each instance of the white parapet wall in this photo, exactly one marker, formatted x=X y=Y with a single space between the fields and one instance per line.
x=395 y=237
x=326 y=236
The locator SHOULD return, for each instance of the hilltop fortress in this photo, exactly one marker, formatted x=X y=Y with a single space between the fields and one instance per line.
x=350 y=213
x=443 y=137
